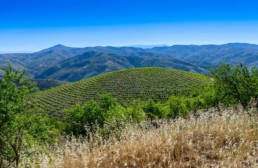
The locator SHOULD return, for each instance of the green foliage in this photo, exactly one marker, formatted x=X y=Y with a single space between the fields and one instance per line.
x=254 y=77
x=136 y=112
x=177 y=107
x=107 y=102
x=106 y=112
x=153 y=110
x=21 y=123
x=80 y=116
x=210 y=97
x=111 y=116
x=235 y=85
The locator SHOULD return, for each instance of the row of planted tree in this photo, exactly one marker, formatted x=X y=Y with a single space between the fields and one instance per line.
x=24 y=125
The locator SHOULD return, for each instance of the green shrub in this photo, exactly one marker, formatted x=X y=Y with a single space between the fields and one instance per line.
x=153 y=110
x=135 y=111
x=177 y=107
x=209 y=97
x=80 y=116
x=106 y=112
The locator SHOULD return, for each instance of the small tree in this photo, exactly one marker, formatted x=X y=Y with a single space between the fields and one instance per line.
x=235 y=85
x=21 y=123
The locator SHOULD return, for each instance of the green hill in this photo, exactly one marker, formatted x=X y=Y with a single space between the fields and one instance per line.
x=139 y=83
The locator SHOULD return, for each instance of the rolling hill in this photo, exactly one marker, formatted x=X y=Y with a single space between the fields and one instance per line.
x=125 y=85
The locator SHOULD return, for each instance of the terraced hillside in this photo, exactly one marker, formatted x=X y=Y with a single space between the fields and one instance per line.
x=142 y=83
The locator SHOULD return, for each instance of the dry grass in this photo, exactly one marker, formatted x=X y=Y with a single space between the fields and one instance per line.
x=212 y=140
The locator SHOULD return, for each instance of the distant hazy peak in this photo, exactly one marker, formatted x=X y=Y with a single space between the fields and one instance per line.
x=57 y=47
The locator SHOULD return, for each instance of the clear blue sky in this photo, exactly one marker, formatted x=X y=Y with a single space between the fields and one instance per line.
x=30 y=25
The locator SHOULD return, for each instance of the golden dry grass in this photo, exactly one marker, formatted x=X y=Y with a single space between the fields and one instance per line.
x=212 y=140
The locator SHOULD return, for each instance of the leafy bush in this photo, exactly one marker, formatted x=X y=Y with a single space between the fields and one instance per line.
x=79 y=116
x=135 y=111
x=109 y=115
x=102 y=113
x=153 y=110
x=177 y=107
x=209 y=97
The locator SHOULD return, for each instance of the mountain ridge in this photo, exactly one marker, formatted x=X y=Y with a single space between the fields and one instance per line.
x=78 y=67
x=200 y=57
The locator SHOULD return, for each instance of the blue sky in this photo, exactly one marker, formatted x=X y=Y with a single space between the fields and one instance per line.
x=30 y=25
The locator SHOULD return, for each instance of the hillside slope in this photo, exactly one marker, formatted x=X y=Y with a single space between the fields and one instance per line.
x=95 y=63
x=139 y=83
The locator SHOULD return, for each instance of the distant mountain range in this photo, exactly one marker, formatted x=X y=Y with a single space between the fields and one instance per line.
x=231 y=53
x=71 y=64
x=148 y=46
x=93 y=63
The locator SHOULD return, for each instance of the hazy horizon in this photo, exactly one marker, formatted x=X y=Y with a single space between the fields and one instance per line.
x=34 y=25
x=136 y=46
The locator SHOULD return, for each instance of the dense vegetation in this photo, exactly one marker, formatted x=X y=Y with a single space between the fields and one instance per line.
x=22 y=123
x=166 y=94
x=109 y=115
x=236 y=85
x=125 y=85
